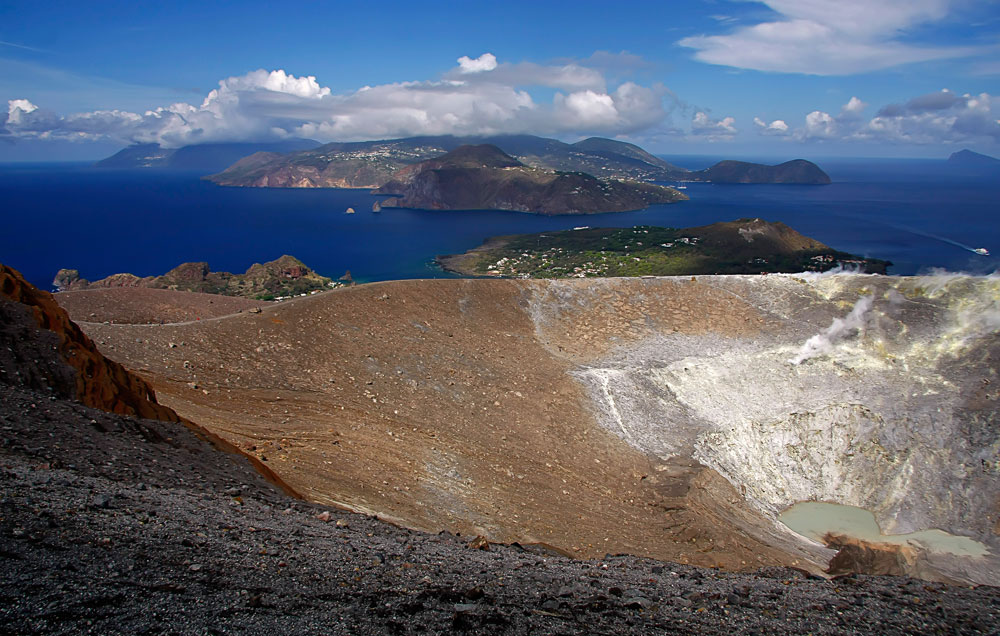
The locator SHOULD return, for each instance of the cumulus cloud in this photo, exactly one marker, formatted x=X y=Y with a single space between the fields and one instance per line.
x=485 y=62
x=820 y=125
x=852 y=109
x=829 y=37
x=478 y=96
x=778 y=127
x=704 y=125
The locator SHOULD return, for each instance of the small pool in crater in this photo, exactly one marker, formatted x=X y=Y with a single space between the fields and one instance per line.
x=814 y=519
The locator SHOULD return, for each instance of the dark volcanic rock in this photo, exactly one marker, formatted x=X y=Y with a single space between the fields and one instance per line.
x=162 y=548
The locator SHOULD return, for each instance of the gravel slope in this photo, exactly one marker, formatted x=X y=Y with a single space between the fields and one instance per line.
x=111 y=524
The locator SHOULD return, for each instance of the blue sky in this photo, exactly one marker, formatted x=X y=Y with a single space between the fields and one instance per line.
x=782 y=78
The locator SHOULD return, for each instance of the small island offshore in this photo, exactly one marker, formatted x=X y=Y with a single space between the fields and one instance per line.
x=745 y=246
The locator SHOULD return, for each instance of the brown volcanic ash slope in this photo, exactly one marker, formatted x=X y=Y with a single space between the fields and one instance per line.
x=142 y=305
x=434 y=404
x=112 y=524
x=583 y=414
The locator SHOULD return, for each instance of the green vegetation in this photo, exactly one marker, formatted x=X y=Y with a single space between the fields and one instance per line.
x=742 y=247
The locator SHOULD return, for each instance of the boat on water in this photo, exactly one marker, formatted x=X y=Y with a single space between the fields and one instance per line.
x=982 y=251
x=349 y=211
x=680 y=187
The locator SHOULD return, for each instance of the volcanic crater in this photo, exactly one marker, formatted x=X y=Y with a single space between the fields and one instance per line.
x=671 y=417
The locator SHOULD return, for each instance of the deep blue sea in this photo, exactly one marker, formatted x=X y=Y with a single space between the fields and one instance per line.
x=102 y=222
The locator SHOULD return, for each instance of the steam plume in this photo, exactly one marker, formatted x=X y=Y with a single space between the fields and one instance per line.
x=822 y=343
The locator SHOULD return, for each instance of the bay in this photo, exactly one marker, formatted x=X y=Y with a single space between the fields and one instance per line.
x=102 y=222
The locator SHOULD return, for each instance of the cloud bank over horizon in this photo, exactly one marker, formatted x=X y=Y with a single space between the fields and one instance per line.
x=483 y=96
x=934 y=118
x=479 y=96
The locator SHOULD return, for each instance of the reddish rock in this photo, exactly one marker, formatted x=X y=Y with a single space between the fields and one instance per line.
x=99 y=382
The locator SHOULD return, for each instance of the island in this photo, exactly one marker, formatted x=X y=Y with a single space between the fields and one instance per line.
x=281 y=278
x=745 y=246
x=372 y=164
x=973 y=164
x=484 y=177
x=797 y=171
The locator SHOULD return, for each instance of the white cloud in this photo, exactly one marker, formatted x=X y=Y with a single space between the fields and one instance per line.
x=778 y=127
x=479 y=96
x=829 y=37
x=485 y=62
x=943 y=117
x=853 y=108
x=571 y=76
x=714 y=129
x=819 y=125
x=587 y=106
x=17 y=108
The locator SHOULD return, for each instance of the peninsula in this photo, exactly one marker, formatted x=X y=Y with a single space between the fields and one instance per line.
x=486 y=178
x=746 y=246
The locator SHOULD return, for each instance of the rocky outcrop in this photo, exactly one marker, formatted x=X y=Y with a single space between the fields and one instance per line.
x=866 y=557
x=285 y=276
x=35 y=325
x=486 y=178
x=43 y=350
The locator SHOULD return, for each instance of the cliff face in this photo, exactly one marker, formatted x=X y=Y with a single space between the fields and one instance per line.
x=285 y=276
x=485 y=178
x=34 y=326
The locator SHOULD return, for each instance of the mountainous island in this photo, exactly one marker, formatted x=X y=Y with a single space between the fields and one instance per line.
x=798 y=171
x=285 y=276
x=371 y=164
x=746 y=246
x=483 y=177
x=972 y=163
